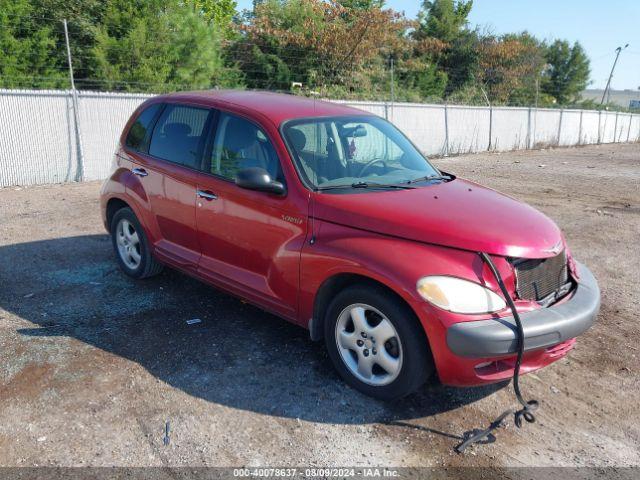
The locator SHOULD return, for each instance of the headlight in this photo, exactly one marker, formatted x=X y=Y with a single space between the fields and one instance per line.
x=458 y=295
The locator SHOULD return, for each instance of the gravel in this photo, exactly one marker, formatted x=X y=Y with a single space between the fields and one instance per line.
x=93 y=365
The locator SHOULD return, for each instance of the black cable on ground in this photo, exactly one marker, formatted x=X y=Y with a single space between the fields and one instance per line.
x=528 y=407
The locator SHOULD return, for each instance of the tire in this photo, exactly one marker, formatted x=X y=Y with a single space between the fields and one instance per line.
x=131 y=246
x=403 y=349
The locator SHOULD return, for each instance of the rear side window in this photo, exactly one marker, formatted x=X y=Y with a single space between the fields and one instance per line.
x=178 y=135
x=139 y=132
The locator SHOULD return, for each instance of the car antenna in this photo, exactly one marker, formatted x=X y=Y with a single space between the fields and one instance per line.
x=528 y=407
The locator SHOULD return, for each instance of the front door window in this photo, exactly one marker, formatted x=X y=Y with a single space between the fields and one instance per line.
x=240 y=144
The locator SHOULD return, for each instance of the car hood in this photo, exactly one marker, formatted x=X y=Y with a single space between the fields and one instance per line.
x=458 y=213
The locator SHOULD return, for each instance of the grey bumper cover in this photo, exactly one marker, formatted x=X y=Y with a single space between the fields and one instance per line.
x=542 y=328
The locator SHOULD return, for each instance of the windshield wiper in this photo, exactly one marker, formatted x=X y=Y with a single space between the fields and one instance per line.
x=364 y=185
x=429 y=177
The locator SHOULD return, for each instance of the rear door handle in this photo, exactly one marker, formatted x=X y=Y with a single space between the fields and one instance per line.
x=141 y=172
x=206 y=194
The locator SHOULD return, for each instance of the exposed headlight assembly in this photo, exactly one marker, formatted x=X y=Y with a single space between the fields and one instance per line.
x=458 y=295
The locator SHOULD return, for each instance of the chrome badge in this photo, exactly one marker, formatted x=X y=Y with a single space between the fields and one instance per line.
x=289 y=218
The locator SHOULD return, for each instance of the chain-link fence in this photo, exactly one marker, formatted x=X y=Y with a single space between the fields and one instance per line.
x=42 y=142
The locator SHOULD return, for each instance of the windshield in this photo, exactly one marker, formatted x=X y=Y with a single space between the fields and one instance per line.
x=354 y=150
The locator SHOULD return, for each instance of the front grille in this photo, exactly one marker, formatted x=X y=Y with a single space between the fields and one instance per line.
x=537 y=279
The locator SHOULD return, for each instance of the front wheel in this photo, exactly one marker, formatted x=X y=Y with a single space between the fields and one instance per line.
x=376 y=343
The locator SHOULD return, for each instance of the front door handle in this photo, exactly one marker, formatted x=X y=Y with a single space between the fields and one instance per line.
x=141 y=172
x=206 y=194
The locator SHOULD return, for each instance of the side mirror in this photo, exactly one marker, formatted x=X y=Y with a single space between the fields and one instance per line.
x=255 y=178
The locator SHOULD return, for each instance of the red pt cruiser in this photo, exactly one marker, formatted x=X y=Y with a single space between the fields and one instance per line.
x=330 y=217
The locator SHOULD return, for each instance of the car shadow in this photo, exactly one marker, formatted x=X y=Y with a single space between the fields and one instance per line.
x=237 y=355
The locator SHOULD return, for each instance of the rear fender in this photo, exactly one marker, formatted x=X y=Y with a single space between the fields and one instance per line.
x=136 y=192
x=125 y=186
x=113 y=187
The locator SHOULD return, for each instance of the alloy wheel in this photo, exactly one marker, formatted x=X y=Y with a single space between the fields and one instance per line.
x=369 y=344
x=128 y=242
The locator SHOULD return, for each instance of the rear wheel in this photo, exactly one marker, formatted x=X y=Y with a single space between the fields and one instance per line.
x=376 y=343
x=131 y=246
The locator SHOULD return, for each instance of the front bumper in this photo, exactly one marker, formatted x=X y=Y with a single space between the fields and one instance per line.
x=542 y=328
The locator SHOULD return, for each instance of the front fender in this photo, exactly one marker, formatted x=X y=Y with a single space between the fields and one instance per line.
x=398 y=264
x=394 y=262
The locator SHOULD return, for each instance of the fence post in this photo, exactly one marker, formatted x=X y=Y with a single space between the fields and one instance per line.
x=490 y=127
x=629 y=129
x=76 y=117
x=446 y=130
x=486 y=99
x=599 y=122
x=529 y=128
x=560 y=127
x=535 y=127
x=580 y=128
x=615 y=130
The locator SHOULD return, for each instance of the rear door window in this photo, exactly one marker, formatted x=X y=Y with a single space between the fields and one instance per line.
x=139 y=133
x=178 y=135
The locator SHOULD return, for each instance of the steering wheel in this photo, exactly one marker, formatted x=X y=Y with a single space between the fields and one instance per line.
x=370 y=163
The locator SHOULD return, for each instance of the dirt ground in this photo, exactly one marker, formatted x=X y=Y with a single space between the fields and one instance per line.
x=93 y=364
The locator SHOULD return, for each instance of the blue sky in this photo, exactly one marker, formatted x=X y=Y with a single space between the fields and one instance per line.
x=600 y=26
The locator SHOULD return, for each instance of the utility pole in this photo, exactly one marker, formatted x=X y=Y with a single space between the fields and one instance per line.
x=74 y=97
x=606 y=89
x=66 y=38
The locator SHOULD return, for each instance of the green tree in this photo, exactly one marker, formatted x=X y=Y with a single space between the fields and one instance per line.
x=460 y=61
x=445 y=22
x=443 y=19
x=362 y=4
x=82 y=17
x=220 y=13
x=152 y=45
x=27 y=48
x=427 y=80
x=568 y=71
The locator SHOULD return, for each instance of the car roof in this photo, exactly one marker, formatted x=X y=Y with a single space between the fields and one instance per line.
x=278 y=107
